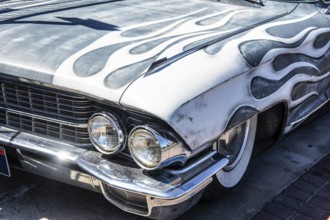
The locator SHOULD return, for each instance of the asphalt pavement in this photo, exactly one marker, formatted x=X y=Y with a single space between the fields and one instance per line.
x=270 y=180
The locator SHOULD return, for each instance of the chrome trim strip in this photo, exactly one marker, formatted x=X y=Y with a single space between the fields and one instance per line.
x=77 y=125
x=194 y=165
x=300 y=120
x=40 y=145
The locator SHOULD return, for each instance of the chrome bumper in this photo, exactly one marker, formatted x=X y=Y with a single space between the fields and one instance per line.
x=127 y=186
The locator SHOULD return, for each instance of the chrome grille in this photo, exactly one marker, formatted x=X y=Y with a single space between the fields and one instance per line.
x=57 y=114
x=48 y=102
x=45 y=111
x=60 y=131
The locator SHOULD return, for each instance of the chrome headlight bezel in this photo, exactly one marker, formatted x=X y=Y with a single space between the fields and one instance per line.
x=170 y=151
x=120 y=129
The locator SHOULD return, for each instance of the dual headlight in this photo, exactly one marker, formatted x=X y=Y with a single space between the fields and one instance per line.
x=148 y=148
x=106 y=133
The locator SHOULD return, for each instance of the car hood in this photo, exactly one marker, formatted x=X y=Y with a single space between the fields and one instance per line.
x=101 y=48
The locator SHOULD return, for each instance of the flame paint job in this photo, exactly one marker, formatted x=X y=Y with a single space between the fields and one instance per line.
x=252 y=71
x=105 y=50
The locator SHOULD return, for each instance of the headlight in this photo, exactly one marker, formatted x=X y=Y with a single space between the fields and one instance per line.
x=106 y=134
x=145 y=148
x=150 y=150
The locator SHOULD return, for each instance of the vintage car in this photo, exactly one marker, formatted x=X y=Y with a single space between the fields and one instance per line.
x=156 y=103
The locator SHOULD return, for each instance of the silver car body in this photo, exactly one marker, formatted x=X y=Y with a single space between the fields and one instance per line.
x=201 y=67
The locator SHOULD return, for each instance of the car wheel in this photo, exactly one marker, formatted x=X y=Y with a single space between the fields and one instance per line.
x=236 y=144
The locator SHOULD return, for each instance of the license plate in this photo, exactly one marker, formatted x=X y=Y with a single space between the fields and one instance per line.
x=4 y=167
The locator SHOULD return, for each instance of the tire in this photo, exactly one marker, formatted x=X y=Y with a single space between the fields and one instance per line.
x=237 y=145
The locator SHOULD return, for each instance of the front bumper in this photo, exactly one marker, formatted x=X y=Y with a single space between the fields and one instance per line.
x=152 y=194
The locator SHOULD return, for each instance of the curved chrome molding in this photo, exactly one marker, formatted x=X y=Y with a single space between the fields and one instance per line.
x=194 y=165
x=137 y=181
x=121 y=131
x=77 y=125
x=171 y=152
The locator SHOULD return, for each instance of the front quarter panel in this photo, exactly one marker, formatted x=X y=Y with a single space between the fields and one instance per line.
x=202 y=93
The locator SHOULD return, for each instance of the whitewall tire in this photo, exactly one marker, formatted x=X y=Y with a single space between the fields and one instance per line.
x=236 y=144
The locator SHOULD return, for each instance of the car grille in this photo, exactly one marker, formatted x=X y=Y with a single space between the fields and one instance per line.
x=45 y=111
x=36 y=100
x=57 y=114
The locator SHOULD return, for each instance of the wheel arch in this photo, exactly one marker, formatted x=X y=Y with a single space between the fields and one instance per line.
x=270 y=126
